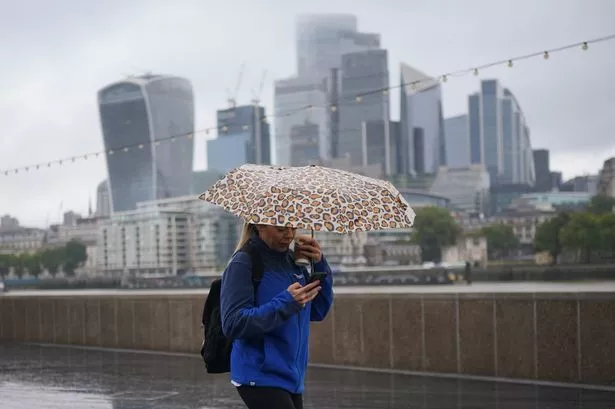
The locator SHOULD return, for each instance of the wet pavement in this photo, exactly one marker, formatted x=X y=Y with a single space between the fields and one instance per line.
x=54 y=377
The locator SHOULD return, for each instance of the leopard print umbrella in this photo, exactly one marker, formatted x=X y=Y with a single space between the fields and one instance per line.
x=311 y=198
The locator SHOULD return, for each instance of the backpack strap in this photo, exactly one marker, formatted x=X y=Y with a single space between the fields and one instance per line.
x=257 y=264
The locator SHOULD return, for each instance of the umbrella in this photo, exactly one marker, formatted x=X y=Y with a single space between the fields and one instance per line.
x=312 y=197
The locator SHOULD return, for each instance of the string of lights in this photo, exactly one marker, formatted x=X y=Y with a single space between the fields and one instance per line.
x=344 y=100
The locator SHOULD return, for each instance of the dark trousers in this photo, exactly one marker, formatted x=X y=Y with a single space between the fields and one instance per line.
x=269 y=398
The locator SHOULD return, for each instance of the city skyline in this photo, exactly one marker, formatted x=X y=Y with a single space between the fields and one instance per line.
x=70 y=120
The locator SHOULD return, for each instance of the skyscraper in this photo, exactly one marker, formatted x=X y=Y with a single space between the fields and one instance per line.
x=143 y=114
x=243 y=137
x=322 y=39
x=499 y=135
x=457 y=141
x=422 y=122
x=362 y=73
x=103 y=204
x=292 y=96
x=543 y=170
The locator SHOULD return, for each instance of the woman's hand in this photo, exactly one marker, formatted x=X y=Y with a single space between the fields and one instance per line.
x=307 y=247
x=305 y=294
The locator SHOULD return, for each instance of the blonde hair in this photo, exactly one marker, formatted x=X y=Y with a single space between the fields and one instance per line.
x=246 y=232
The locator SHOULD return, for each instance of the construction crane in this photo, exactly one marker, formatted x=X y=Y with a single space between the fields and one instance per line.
x=232 y=101
x=257 y=95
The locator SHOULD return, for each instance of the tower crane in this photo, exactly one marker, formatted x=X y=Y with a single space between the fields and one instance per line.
x=256 y=95
x=232 y=101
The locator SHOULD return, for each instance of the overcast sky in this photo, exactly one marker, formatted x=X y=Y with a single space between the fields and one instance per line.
x=55 y=55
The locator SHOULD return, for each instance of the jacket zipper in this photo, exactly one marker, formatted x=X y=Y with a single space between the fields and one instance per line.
x=298 y=345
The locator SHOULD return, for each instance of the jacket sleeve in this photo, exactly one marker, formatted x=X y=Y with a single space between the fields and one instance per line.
x=323 y=301
x=241 y=318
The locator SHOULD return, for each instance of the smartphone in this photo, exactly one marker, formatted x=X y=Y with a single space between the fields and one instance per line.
x=317 y=276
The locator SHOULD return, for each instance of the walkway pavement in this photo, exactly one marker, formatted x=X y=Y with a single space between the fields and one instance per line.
x=54 y=377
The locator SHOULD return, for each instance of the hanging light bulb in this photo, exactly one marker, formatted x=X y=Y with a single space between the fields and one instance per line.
x=444 y=79
x=546 y=55
x=385 y=92
x=140 y=146
x=110 y=151
x=585 y=46
x=245 y=127
x=359 y=99
x=475 y=71
x=224 y=128
x=333 y=108
x=510 y=63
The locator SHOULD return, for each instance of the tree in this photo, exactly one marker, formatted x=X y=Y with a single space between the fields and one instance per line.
x=52 y=259
x=20 y=264
x=607 y=232
x=601 y=204
x=434 y=228
x=6 y=262
x=75 y=254
x=33 y=264
x=500 y=240
x=582 y=233
x=547 y=237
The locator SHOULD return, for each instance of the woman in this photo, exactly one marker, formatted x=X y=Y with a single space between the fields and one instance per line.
x=271 y=332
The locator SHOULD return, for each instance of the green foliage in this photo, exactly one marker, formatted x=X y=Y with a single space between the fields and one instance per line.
x=20 y=265
x=548 y=234
x=582 y=234
x=607 y=231
x=33 y=264
x=74 y=256
x=52 y=259
x=6 y=262
x=434 y=228
x=601 y=204
x=501 y=240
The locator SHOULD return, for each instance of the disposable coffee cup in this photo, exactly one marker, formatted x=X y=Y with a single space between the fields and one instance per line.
x=302 y=262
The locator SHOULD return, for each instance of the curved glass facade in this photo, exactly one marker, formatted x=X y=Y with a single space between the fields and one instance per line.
x=142 y=111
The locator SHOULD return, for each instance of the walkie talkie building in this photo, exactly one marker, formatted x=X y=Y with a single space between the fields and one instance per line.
x=150 y=116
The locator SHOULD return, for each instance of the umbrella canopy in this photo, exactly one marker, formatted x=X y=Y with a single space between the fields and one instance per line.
x=310 y=198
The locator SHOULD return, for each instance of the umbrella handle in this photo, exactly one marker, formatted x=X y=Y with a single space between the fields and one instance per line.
x=311 y=260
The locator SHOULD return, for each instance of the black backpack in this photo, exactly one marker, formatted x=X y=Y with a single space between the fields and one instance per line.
x=216 y=348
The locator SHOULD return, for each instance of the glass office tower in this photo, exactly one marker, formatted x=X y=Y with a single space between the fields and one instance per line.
x=150 y=116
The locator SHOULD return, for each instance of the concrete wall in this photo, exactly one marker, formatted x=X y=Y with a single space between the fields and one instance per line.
x=553 y=337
